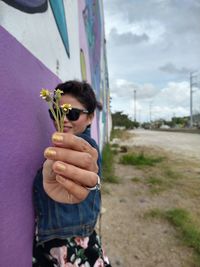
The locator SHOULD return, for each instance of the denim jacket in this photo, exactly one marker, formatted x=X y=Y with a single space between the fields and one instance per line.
x=57 y=220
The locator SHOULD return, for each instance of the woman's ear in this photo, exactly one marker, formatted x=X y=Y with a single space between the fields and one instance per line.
x=90 y=118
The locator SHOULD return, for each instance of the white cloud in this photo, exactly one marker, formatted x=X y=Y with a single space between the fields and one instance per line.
x=173 y=100
x=171 y=68
x=152 y=47
x=127 y=38
x=125 y=89
x=175 y=94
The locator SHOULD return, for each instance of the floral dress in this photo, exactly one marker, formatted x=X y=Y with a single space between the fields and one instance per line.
x=71 y=252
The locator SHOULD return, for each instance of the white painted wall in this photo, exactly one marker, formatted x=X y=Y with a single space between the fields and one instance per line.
x=39 y=34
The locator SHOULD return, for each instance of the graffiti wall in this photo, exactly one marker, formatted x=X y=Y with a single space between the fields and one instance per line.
x=41 y=43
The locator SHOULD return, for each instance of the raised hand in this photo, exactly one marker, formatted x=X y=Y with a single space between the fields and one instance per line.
x=71 y=166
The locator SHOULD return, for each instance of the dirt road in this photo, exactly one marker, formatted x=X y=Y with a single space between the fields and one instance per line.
x=129 y=239
x=184 y=144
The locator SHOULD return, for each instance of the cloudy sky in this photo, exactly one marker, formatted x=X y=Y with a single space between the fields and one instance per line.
x=152 y=46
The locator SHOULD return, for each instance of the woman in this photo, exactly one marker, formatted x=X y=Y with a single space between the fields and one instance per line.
x=67 y=208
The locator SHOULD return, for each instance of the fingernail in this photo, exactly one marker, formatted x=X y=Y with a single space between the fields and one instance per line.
x=60 y=166
x=57 y=137
x=49 y=152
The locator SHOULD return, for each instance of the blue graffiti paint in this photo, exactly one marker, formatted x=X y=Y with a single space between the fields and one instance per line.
x=27 y=6
x=59 y=15
x=93 y=28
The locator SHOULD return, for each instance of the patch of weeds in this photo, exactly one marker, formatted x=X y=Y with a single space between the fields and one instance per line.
x=157 y=185
x=135 y=179
x=140 y=159
x=189 y=186
x=116 y=133
x=157 y=190
x=108 y=165
x=112 y=179
x=115 y=145
x=154 y=181
x=171 y=174
x=153 y=213
x=183 y=221
x=189 y=233
x=121 y=134
x=115 y=151
x=195 y=260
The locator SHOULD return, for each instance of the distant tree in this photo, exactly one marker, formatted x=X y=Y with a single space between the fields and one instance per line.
x=120 y=119
x=180 y=121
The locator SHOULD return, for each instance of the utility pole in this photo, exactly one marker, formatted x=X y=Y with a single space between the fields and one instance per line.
x=191 y=102
x=139 y=115
x=134 y=105
x=150 y=111
x=193 y=75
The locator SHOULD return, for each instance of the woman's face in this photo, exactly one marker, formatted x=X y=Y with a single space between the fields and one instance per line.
x=78 y=126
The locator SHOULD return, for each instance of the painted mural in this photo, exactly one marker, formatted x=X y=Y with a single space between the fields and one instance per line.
x=59 y=15
x=92 y=30
x=42 y=44
x=83 y=65
x=40 y=6
x=28 y=6
x=92 y=22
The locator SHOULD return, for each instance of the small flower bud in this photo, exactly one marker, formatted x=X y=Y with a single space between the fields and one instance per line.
x=46 y=95
x=66 y=107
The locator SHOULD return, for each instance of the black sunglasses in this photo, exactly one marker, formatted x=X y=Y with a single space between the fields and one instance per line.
x=73 y=114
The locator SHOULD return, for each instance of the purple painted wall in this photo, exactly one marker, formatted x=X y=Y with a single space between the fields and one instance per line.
x=25 y=132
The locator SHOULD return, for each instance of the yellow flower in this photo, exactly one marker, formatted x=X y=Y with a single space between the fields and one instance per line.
x=58 y=93
x=66 y=107
x=45 y=94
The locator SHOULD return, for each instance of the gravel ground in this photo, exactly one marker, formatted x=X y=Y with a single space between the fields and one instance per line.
x=186 y=145
x=129 y=239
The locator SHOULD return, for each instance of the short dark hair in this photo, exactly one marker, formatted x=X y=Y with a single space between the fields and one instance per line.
x=82 y=91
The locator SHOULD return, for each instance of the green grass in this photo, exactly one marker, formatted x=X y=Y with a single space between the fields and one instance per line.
x=115 y=151
x=154 y=181
x=158 y=185
x=158 y=171
x=153 y=213
x=115 y=145
x=182 y=220
x=108 y=165
x=140 y=159
x=135 y=179
x=116 y=133
x=171 y=174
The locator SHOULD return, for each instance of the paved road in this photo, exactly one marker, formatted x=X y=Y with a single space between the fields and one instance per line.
x=185 y=144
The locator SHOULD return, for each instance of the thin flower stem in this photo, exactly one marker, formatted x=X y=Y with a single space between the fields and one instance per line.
x=55 y=117
x=59 y=115
x=60 y=118
x=62 y=122
x=56 y=112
